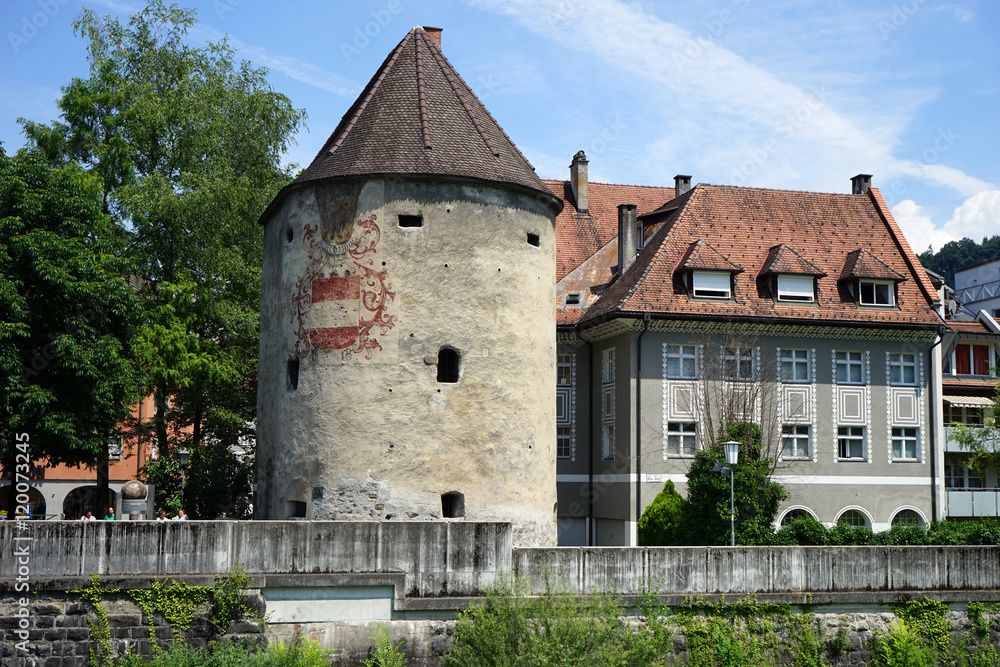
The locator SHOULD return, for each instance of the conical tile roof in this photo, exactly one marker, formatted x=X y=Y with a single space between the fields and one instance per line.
x=417 y=116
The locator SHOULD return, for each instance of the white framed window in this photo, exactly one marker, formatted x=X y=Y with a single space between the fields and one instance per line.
x=851 y=443
x=850 y=368
x=115 y=445
x=959 y=477
x=853 y=518
x=906 y=517
x=608 y=365
x=960 y=414
x=795 y=441
x=796 y=288
x=877 y=292
x=712 y=284
x=794 y=365
x=902 y=368
x=904 y=444
x=608 y=440
x=564 y=369
x=608 y=403
x=682 y=361
x=737 y=363
x=563 y=442
x=682 y=438
x=639 y=241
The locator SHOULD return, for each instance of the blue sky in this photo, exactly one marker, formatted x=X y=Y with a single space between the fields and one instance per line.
x=796 y=95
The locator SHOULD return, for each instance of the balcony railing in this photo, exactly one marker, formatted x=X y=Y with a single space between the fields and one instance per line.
x=980 y=292
x=951 y=444
x=973 y=502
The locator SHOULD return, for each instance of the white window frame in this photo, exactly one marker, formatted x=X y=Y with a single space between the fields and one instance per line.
x=849 y=435
x=682 y=439
x=796 y=288
x=712 y=284
x=866 y=285
x=899 y=364
x=842 y=519
x=903 y=438
x=966 y=416
x=740 y=359
x=906 y=517
x=794 y=361
x=564 y=369
x=608 y=440
x=564 y=441
x=966 y=478
x=847 y=360
x=685 y=359
x=799 y=438
x=608 y=365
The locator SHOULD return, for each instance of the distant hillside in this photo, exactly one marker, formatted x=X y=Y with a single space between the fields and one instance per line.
x=956 y=254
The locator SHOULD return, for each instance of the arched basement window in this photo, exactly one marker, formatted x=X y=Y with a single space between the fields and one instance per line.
x=452 y=505
x=448 y=364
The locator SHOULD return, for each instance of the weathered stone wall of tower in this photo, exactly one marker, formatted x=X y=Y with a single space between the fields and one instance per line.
x=353 y=421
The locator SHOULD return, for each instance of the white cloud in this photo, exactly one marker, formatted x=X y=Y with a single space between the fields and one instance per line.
x=977 y=218
x=754 y=127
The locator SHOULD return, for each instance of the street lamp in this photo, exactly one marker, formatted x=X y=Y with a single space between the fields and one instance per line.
x=732 y=449
x=185 y=457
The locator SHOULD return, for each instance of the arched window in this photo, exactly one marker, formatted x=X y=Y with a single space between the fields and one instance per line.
x=794 y=514
x=448 y=365
x=853 y=518
x=907 y=518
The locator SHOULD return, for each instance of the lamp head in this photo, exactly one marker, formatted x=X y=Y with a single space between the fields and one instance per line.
x=185 y=456
x=732 y=449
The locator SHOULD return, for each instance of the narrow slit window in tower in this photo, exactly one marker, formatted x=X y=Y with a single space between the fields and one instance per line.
x=411 y=221
x=293 y=374
x=452 y=505
x=448 y=363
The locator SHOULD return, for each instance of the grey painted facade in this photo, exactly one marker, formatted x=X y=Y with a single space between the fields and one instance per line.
x=660 y=420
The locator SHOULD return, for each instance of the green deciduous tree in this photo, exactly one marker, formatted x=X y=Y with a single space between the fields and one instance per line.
x=68 y=318
x=187 y=145
x=706 y=515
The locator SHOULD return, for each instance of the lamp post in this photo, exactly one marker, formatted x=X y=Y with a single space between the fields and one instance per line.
x=732 y=449
x=185 y=456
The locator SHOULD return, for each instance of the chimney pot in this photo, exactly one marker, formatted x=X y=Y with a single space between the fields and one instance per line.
x=434 y=34
x=578 y=181
x=682 y=183
x=627 y=236
x=861 y=184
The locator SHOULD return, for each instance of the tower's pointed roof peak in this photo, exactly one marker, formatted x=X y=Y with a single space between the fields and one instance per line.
x=417 y=116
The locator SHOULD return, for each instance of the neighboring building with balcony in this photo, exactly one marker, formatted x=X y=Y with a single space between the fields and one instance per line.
x=977 y=287
x=969 y=391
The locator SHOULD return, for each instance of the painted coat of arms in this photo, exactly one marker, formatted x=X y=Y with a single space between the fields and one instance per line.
x=342 y=300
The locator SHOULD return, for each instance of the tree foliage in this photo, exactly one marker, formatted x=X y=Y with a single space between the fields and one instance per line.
x=957 y=254
x=706 y=513
x=662 y=521
x=69 y=320
x=187 y=145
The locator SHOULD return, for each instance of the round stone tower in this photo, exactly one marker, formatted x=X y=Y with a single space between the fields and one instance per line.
x=407 y=332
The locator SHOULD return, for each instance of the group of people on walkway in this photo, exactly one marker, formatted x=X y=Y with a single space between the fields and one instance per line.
x=110 y=516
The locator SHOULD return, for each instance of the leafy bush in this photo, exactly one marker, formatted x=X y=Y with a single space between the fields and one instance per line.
x=660 y=523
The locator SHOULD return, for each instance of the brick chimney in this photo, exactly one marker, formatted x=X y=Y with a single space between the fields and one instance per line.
x=434 y=34
x=682 y=183
x=627 y=234
x=578 y=181
x=861 y=184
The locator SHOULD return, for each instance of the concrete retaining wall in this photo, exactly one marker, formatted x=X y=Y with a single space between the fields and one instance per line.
x=859 y=574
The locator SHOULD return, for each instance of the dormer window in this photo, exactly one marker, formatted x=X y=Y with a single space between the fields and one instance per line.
x=639 y=241
x=572 y=299
x=876 y=292
x=796 y=288
x=712 y=284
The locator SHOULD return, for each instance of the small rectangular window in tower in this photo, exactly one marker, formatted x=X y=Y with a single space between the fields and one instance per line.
x=293 y=374
x=452 y=505
x=411 y=221
x=533 y=239
x=295 y=509
x=448 y=365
